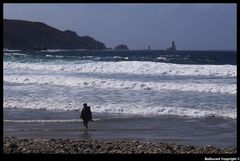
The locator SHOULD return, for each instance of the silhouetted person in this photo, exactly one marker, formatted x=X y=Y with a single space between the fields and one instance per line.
x=86 y=115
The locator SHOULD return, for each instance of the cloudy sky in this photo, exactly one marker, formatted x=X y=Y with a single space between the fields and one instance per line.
x=191 y=26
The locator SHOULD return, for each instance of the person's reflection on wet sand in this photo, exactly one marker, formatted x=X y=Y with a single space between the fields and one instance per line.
x=85 y=134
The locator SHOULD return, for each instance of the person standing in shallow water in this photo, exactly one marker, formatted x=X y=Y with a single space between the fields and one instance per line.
x=86 y=115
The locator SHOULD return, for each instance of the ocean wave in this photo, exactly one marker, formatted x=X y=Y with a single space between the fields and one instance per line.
x=5 y=53
x=120 y=84
x=128 y=109
x=161 y=58
x=53 y=50
x=59 y=50
x=54 y=56
x=59 y=56
x=7 y=50
x=43 y=121
x=159 y=111
x=50 y=55
x=133 y=67
x=46 y=121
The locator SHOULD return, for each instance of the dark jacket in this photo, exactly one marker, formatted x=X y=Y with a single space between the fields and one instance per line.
x=86 y=114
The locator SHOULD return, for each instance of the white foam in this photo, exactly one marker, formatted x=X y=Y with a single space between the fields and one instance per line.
x=50 y=56
x=59 y=56
x=46 y=121
x=126 y=109
x=43 y=121
x=132 y=67
x=14 y=54
x=116 y=57
x=7 y=50
x=158 y=111
x=161 y=58
x=51 y=105
x=119 y=84
x=52 y=50
x=57 y=50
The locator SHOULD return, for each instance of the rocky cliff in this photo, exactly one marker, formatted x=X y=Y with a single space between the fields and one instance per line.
x=18 y=34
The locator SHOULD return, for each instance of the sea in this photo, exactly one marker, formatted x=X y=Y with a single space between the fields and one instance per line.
x=183 y=97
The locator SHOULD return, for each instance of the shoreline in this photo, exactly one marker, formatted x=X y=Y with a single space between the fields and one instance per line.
x=12 y=145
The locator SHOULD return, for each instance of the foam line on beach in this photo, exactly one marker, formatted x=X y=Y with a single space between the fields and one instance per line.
x=46 y=121
x=128 y=109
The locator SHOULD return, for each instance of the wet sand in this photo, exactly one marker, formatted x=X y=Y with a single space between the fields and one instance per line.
x=216 y=132
x=220 y=133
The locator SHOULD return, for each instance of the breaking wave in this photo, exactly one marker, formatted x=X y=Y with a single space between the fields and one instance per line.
x=133 y=67
x=128 y=109
x=119 y=84
x=46 y=121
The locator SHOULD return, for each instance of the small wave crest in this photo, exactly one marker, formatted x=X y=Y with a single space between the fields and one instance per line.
x=20 y=54
x=8 y=50
x=46 y=121
x=53 y=50
x=42 y=121
x=128 y=109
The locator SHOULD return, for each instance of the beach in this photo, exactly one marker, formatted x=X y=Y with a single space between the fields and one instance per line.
x=43 y=124
x=151 y=78
x=185 y=98
x=27 y=131
x=67 y=146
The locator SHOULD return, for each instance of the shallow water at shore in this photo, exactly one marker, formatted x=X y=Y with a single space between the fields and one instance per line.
x=194 y=131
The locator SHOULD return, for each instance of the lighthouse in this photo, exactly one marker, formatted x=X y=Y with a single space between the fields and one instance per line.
x=173 y=45
x=172 y=48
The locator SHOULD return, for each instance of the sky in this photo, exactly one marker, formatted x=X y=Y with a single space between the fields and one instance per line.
x=191 y=26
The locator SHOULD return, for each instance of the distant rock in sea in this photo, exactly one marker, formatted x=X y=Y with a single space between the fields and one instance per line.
x=18 y=34
x=121 y=47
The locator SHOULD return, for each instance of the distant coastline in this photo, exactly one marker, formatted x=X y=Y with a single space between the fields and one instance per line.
x=36 y=36
x=130 y=50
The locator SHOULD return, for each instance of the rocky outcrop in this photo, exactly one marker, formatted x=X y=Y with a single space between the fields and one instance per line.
x=18 y=34
x=121 y=47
